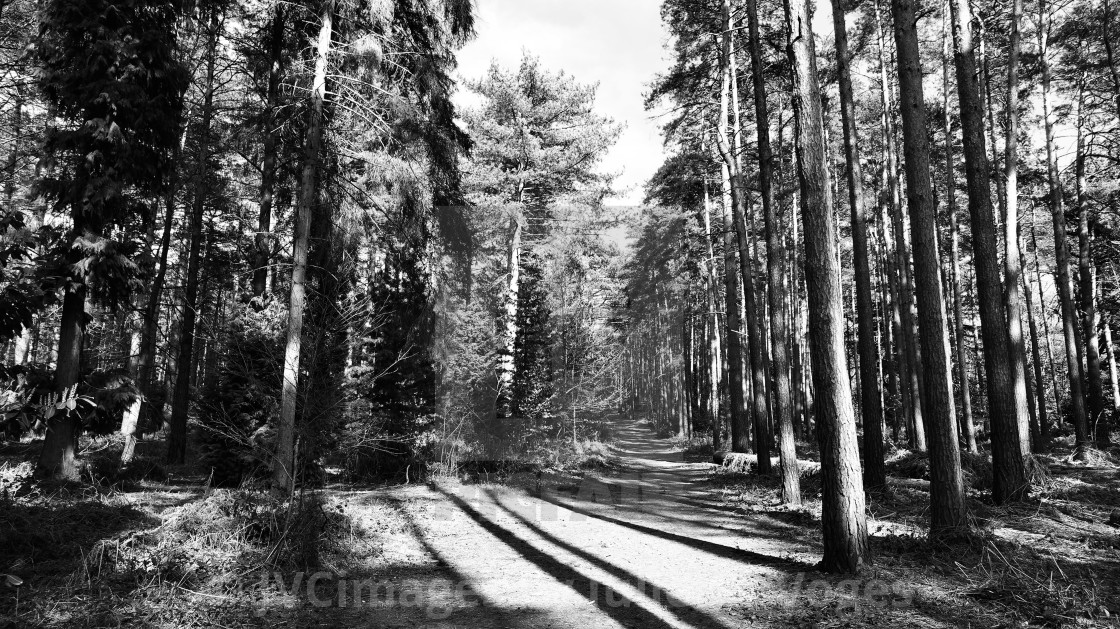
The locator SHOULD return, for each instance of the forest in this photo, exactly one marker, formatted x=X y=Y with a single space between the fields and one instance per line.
x=301 y=326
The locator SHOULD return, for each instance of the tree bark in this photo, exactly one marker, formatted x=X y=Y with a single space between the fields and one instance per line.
x=23 y=341
x=1086 y=274
x=1061 y=252
x=967 y=426
x=715 y=361
x=776 y=267
x=1112 y=374
x=753 y=319
x=735 y=224
x=180 y=405
x=1012 y=261
x=1040 y=384
x=283 y=478
x=145 y=361
x=843 y=517
x=740 y=420
x=875 y=476
x=947 y=509
x=1044 y=428
x=506 y=368
x=1009 y=482
x=268 y=163
x=913 y=391
x=59 y=457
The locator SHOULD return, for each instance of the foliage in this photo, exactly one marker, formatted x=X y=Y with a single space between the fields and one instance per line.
x=237 y=419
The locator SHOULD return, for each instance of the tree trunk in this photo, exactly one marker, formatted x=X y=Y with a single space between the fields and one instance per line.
x=1087 y=278
x=1061 y=252
x=180 y=405
x=1040 y=384
x=715 y=361
x=734 y=196
x=967 y=426
x=1012 y=261
x=947 y=510
x=1044 y=428
x=283 y=478
x=268 y=164
x=1007 y=458
x=1112 y=375
x=507 y=369
x=843 y=517
x=149 y=327
x=23 y=341
x=875 y=475
x=59 y=457
x=913 y=385
x=740 y=420
x=775 y=262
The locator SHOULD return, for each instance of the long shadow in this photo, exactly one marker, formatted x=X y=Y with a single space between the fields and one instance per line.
x=720 y=550
x=502 y=618
x=655 y=508
x=647 y=485
x=686 y=613
x=627 y=613
x=44 y=544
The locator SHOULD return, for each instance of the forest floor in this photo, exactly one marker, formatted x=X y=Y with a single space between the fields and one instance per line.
x=651 y=541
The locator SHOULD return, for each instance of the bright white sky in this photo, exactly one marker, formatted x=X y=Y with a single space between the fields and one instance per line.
x=618 y=44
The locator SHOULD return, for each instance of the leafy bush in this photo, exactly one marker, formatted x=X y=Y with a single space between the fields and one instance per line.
x=239 y=407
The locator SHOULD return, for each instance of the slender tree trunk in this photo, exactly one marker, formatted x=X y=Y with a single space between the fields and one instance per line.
x=717 y=371
x=180 y=405
x=760 y=414
x=269 y=165
x=1087 y=278
x=149 y=327
x=843 y=515
x=690 y=402
x=947 y=508
x=889 y=312
x=23 y=341
x=1112 y=374
x=735 y=225
x=715 y=362
x=875 y=475
x=1012 y=261
x=283 y=478
x=912 y=397
x=775 y=262
x=1009 y=473
x=740 y=420
x=1040 y=384
x=507 y=369
x=901 y=375
x=968 y=427
x=1061 y=251
x=985 y=79
x=1044 y=428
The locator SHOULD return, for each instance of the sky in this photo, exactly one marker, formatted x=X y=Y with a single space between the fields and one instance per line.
x=618 y=44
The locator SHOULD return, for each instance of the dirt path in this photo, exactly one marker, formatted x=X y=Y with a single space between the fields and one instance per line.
x=649 y=545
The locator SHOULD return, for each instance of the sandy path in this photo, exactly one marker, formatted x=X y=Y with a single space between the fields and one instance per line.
x=648 y=546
